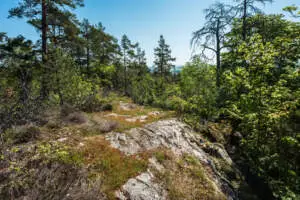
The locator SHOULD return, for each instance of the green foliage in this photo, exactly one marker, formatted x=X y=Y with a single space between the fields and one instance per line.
x=103 y=74
x=59 y=153
x=263 y=107
x=293 y=10
x=94 y=103
x=163 y=58
x=198 y=88
x=142 y=91
x=68 y=84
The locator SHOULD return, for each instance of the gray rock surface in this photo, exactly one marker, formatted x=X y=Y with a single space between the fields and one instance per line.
x=142 y=187
x=171 y=134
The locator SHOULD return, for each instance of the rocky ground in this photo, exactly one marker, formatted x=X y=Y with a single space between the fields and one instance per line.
x=129 y=153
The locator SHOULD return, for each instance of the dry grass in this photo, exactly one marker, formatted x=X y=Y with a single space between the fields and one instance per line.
x=113 y=167
x=186 y=178
x=128 y=118
x=125 y=122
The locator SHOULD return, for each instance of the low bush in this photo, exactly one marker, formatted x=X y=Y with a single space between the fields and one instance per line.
x=21 y=134
x=107 y=107
x=66 y=110
x=76 y=118
x=107 y=126
x=92 y=103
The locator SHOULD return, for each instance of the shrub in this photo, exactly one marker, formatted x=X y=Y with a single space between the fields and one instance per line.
x=66 y=110
x=198 y=89
x=107 y=126
x=76 y=118
x=107 y=107
x=68 y=84
x=142 y=91
x=92 y=103
x=21 y=134
x=53 y=124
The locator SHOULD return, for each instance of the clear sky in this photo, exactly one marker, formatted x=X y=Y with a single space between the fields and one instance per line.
x=142 y=20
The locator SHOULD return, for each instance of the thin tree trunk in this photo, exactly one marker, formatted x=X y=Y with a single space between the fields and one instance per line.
x=24 y=83
x=244 y=33
x=60 y=95
x=125 y=73
x=218 y=55
x=88 y=57
x=44 y=87
x=44 y=31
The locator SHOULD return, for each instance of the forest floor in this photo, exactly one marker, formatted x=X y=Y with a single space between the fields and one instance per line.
x=130 y=152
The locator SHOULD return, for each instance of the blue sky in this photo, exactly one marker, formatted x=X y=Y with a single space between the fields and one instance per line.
x=142 y=20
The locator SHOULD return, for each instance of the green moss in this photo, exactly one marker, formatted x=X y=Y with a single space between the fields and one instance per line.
x=113 y=167
x=160 y=156
x=186 y=179
x=191 y=160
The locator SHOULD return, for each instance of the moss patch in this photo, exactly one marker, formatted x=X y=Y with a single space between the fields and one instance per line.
x=186 y=178
x=113 y=167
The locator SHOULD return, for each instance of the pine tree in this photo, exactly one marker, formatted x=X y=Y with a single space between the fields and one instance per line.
x=104 y=46
x=17 y=59
x=127 y=49
x=246 y=8
x=39 y=14
x=86 y=31
x=141 y=62
x=163 y=58
x=218 y=17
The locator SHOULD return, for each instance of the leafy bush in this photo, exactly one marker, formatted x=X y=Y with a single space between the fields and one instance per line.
x=68 y=84
x=198 y=91
x=142 y=91
x=264 y=108
x=92 y=103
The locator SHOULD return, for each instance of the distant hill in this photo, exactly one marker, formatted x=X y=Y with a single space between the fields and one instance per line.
x=178 y=68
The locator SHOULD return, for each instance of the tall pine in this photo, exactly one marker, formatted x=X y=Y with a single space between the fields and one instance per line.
x=163 y=58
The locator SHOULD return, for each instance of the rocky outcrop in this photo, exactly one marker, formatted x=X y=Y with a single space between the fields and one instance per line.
x=142 y=187
x=176 y=136
x=171 y=134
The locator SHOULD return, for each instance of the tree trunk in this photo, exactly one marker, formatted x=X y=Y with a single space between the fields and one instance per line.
x=244 y=18
x=24 y=77
x=125 y=74
x=44 y=87
x=44 y=31
x=88 y=58
x=218 y=56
